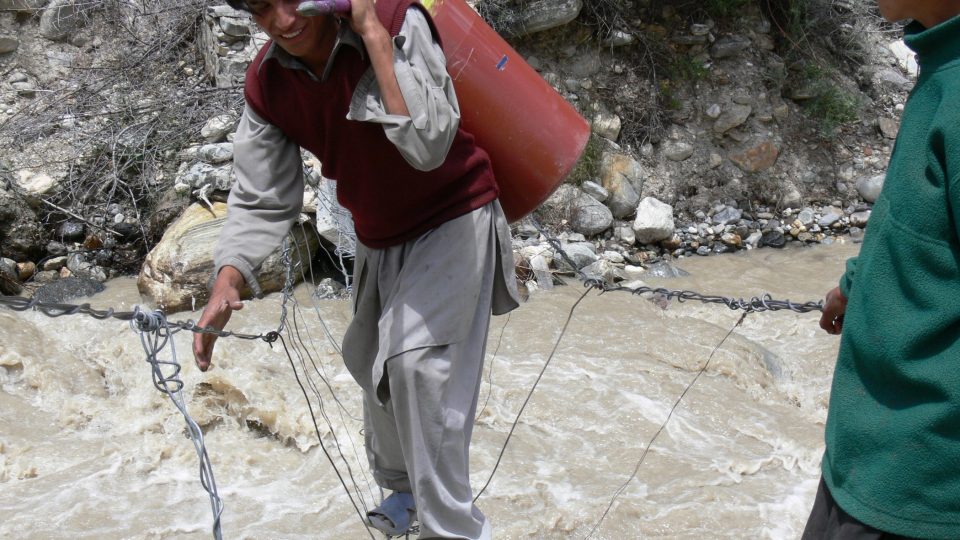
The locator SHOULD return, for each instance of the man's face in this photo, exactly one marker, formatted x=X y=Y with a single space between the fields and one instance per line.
x=298 y=35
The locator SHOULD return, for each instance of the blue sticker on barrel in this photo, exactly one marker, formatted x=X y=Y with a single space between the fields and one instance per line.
x=502 y=63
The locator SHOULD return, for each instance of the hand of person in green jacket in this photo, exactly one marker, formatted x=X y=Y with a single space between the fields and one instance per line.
x=224 y=299
x=833 y=309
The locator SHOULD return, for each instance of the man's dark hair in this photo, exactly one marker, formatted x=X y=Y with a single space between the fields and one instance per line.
x=240 y=5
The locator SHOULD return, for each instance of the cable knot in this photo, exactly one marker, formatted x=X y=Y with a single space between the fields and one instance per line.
x=270 y=337
x=147 y=321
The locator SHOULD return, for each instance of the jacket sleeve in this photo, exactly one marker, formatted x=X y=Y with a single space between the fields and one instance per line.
x=423 y=138
x=846 y=281
x=265 y=200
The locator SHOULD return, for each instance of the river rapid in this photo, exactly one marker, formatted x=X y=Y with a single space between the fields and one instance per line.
x=89 y=449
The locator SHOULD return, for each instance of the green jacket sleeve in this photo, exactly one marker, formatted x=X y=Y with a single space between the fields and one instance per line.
x=846 y=281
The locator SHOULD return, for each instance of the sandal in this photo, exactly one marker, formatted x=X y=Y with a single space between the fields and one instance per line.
x=394 y=515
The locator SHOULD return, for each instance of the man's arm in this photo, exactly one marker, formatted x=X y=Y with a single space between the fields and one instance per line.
x=264 y=202
x=425 y=131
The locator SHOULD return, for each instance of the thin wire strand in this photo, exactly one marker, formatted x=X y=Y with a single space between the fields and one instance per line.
x=653 y=439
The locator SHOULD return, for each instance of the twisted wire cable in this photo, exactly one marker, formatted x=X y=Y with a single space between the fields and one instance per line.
x=155 y=334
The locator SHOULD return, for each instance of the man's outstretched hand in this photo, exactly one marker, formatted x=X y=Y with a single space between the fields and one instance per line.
x=833 y=309
x=224 y=299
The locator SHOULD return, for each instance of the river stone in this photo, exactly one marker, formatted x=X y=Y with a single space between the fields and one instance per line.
x=729 y=214
x=215 y=153
x=758 y=158
x=8 y=44
x=729 y=46
x=35 y=185
x=595 y=190
x=539 y=15
x=9 y=283
x=63 y=18
x=176 y=271
x=831 y=215
x=870 y=187
x=234 y=27
x=217 y=128
x=753 y=241
x=581 y=253
x=654 y=221
x=70 y=231
x=859 y=219
x=774 y=239
x=888 y=127
x=805 y=217
x=66 y=289
x=606 y=126
x=678 y=151
x=734 y=116
x=618 y=174
x=665 y=270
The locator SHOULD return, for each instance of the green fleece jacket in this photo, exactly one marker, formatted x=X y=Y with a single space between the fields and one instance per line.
x=893 y=431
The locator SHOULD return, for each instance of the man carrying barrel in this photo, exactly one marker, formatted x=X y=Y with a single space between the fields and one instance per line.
x=368 y=94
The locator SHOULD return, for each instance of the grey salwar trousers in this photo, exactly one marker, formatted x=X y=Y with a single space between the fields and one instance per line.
x=416 y=347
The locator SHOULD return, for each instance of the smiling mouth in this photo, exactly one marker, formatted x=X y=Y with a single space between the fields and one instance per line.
x=292 y=34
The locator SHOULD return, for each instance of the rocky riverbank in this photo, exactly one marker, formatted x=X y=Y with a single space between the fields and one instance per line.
x=712 y=132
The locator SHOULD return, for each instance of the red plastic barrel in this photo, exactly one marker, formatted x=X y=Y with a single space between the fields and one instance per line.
x=533 y=135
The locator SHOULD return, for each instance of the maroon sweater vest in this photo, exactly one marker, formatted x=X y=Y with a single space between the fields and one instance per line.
x=391 y=202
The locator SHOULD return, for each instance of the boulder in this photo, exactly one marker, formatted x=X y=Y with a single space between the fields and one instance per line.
x=585 y=214
x=654 y=221
x=756 y=158
x=619 y=174
x=539 y=15
x=869 y=187
x=63 y=18
x=176 y=272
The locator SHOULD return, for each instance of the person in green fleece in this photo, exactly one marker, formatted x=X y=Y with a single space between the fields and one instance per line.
x=892 y=463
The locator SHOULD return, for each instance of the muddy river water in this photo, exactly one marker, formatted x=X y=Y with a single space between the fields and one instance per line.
x=89 y=449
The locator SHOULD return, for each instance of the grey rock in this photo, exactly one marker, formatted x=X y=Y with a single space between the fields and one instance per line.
x=63 y=18
x=733 y=117
x=581 y=253
x=805 y=217
x=665 y=270
x=703 y=251
x=714 y=111
x=9 y=282
x=753 y=241
x=859 y=219
x=23 y=6
x=729 y=46
x=678 y=150
x=870 y=187
x=71 y=231
x=654 y=221
x=25 y=89
x=585 y=214
x=217 y=128
x=607 y=126
x=8 y=44
x=774 y=239
x=538 y=15
x=831 y=215
x=215 y=153
x=618 y=174
x=729 y=214
x=888 y=127
x=68 y=288
x=56 y=249
x=235 y=27
x=595 y=190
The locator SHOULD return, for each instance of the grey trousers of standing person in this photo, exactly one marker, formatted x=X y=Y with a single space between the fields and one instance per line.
x=416 y=346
